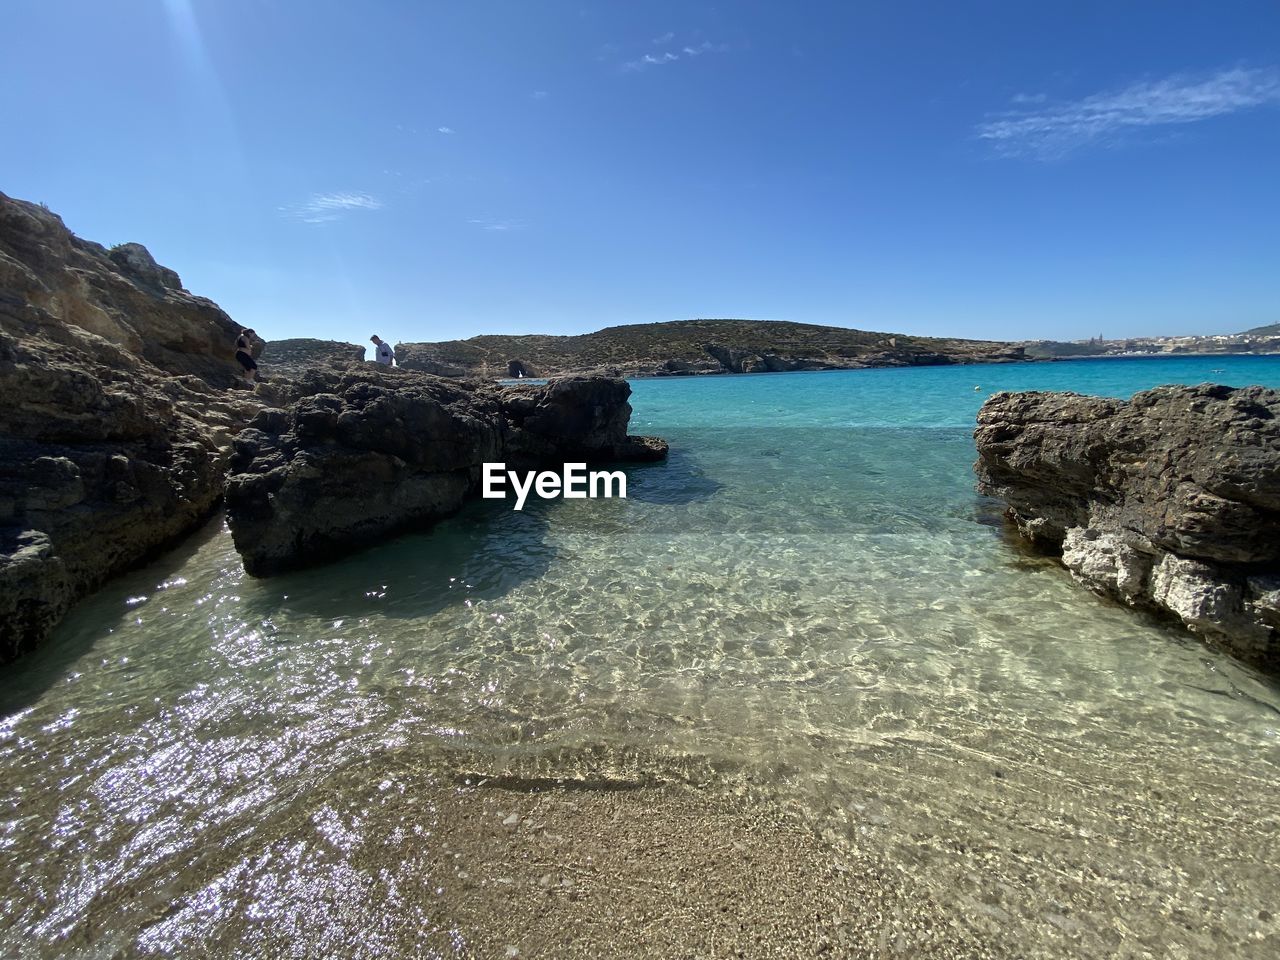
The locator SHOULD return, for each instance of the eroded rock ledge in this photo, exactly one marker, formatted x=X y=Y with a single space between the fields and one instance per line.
x=1170 y=501
x=367 y=452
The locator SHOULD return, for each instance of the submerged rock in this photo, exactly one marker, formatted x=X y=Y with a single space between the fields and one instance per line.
x=1170 y=501
x=371 y=451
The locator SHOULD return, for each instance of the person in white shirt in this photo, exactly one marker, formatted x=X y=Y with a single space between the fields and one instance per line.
x=382 y=352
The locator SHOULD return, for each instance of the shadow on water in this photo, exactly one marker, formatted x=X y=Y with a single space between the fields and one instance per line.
x=481 y=553
x=992 y=513
x=1238 y=676
x=679 y=479
x=25 y=680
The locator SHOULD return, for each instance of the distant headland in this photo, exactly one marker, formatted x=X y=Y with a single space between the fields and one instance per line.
x=1259 y=340
x=685 y=348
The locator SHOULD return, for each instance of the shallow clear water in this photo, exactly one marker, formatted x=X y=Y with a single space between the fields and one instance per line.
x=808 y=604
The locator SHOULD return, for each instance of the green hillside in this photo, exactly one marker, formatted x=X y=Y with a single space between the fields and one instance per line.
x=699 y=346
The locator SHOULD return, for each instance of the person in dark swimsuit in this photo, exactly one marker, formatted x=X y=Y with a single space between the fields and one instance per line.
x=244 y=353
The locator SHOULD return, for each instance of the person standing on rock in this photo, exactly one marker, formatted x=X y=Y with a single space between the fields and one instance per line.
x=382 y=352
x=244 y=353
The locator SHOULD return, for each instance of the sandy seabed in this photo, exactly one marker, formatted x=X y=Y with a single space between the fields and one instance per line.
x=505 y=868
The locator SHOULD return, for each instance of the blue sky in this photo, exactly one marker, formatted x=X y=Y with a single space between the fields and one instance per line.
x=437 y=170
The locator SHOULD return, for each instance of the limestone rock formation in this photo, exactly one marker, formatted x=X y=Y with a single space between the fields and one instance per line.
x=367 y=452
x=62 y=288
x=298 y=355
x=410 y=359
x=112 y=415
x=1170 y=501
x=120 y=396
x=109 y=473
x=684 y=368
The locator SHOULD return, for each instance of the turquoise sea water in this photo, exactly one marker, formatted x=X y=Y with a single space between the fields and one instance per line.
x=807 y=605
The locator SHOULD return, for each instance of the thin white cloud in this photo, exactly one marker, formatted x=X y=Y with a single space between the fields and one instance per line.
x=661 y=58
x=445 y=130
x=1055 y=130
x=664 y=39
x=665 y=57
x=496 y=224
x=706 y=46
x=327 y=207
x=539 y=95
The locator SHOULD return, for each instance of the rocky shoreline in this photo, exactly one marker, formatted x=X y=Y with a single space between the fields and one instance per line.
x=114 y=382
x=503 y=360
x=1169 y=502
x=124 y=407
x=126 y=423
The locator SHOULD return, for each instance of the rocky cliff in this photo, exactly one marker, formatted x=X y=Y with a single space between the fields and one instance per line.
x=1170 y=501
x=58 y=287
x=367 y=452
x=690 y=347
x=113 y=409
